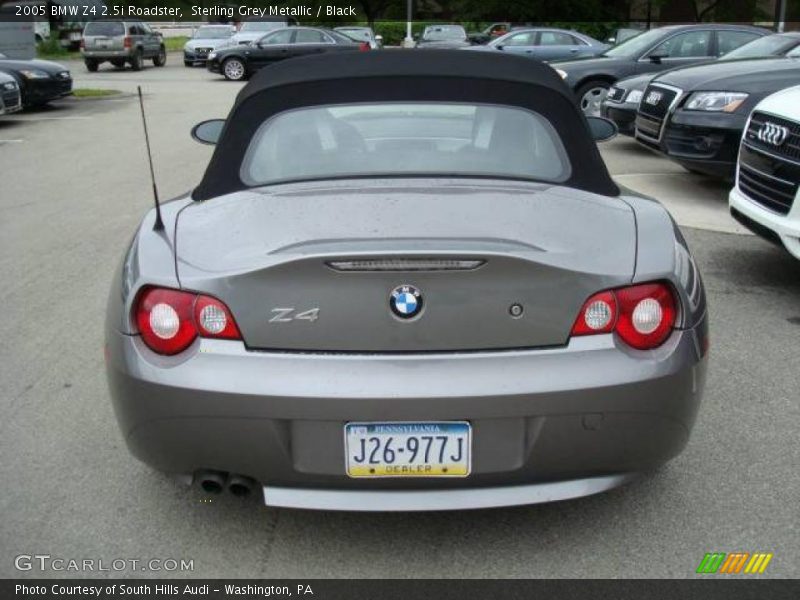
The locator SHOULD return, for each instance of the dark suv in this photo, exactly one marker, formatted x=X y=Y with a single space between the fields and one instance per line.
x=121 y=42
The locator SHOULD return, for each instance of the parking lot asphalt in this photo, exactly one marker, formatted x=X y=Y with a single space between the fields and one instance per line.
x=73 y=185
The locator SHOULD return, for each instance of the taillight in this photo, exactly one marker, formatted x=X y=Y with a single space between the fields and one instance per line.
x=214 y=320
x=598 y=315
x=642 y=315
x=646 y=314
x=170 y=320
x=83 y=44
x=127 y=42
x=363 y=46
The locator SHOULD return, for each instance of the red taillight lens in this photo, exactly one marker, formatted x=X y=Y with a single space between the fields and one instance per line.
x=214 y=319
x=170 y=320
x=646 y=314
x=364 y=46
x=127 y=42
x=164 y=318
x=642 y=315
x=598 y=315
x=83 y=44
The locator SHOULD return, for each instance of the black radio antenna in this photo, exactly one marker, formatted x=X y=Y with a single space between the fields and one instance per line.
x=159 y=224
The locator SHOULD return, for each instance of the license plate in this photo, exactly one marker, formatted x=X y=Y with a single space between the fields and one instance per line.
x=395 y=449
x=103 y=43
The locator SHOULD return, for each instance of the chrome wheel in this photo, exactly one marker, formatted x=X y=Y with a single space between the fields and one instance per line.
x=233 y=69
x=592 y=99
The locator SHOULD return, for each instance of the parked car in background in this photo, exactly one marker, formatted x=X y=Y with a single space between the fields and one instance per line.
x=696 y=115
x=492 y=32
x=236 y=63
x=622 y=101
x=443 y=36
x=623 y=34
x=362 y=34
x=39 y=81
x=253 y=30
x=205 y=39
x=545 y=44
x=766 y=198
x=120 y=43
x=10 y=96
x=649 y=52
x=17 y=38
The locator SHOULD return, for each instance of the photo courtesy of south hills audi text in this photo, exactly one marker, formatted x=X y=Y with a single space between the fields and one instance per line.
x=123 y=590
x=401 y=299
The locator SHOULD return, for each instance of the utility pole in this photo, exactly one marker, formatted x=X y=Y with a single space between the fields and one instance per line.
x=781 y=14
x=408 y=42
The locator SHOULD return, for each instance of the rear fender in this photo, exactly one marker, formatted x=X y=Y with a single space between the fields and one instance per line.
x=148 y=260
x=662 y=253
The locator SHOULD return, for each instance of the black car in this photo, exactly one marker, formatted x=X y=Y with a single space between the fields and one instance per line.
x=655 y=50
x=622 y=101
x=696 y=115
x=239 y=62
x=40 y=81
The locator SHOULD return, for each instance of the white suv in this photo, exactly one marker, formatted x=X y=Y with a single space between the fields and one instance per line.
x=766 y=199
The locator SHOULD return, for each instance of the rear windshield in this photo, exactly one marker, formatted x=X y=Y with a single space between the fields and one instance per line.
x=360 y=35
x=444 y=32
x=212 y=33
x=106 y=28
x=391 y=139
x=771 y=45
x=262 y=25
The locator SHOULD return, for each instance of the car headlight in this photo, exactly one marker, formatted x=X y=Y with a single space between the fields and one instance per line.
x=212 y=55
x=34 y=74
x=634 y=96
x=11 y=85
x=716 y=101
x=562 y=74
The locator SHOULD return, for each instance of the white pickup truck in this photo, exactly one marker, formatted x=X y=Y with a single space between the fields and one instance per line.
x=766 y=198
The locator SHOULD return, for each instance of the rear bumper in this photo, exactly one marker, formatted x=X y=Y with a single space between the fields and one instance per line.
x=778 y=229
x=590 y=409
x=100 y=55
x=430 y=500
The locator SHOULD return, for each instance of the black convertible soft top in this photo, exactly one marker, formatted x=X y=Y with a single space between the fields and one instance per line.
x=405 y=76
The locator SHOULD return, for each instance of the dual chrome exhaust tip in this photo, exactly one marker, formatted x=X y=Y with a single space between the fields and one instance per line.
x=215 y=482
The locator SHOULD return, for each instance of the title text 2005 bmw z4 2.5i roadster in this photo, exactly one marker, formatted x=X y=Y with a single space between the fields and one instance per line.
x=407 y=282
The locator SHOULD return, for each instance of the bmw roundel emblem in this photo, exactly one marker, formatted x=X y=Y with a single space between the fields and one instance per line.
x=405 y=301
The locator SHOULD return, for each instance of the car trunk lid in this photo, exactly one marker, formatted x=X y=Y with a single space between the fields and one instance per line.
x=311 y=267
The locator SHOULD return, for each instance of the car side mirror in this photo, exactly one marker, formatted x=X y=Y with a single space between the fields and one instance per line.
x=378 y=38
x=208 y=132
x=602 y=129
x=500 y=46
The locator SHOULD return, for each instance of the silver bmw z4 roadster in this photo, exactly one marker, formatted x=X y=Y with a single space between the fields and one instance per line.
x=407 y=282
